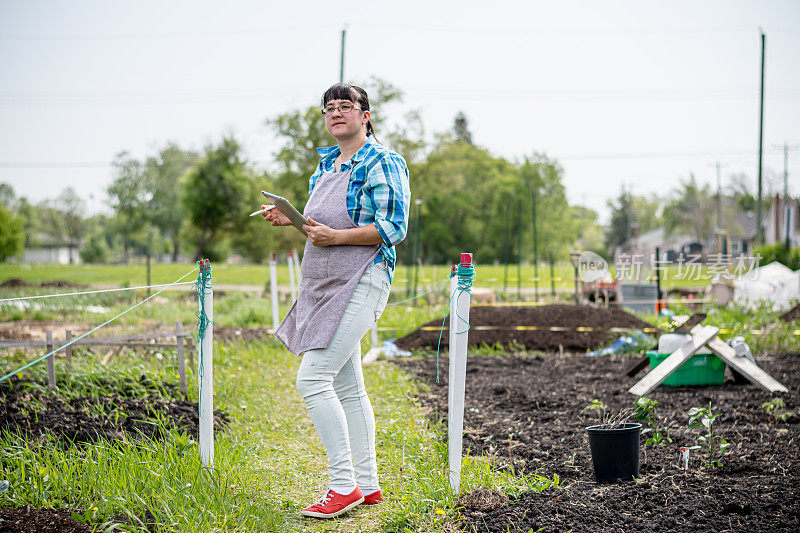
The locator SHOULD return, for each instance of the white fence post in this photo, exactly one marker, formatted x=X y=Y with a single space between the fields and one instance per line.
x=459 y=321
x=450 y=342
x=273 y=289
x=206 y=377
x=296 y=259
x=292 y=285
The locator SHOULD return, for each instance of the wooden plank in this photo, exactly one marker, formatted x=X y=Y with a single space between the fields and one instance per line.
x=181 y=360
x=639 y=364
x=700 y=336
x=68 y=349
x=746 y=367
x=92 y=341
x=51 y=362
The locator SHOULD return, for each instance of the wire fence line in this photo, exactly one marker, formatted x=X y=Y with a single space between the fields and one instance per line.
x=7 y=344
x=55 y=295
x=72 y=342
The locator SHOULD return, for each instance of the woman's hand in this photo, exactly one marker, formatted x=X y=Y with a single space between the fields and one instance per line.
x=320 y=234
x=275 y=217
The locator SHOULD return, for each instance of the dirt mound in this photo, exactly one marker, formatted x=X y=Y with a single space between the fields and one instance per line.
x=792 y=314
x=530 y=410
x=545 y=328
x=59 y=283
x=240 y=334
x=25 y=519
x=31 y=409
x=13 y=282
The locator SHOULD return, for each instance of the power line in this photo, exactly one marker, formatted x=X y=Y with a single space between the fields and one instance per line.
x=713 y=153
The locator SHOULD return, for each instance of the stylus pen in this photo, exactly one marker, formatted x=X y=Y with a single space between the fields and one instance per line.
x=254 y=213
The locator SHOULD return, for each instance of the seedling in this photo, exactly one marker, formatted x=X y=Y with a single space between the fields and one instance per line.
x=599 y=409
x=713 y=446
x=646 y=411
x=777 y=408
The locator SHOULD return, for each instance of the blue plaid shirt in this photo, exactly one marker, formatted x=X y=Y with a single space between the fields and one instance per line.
x=378 y=192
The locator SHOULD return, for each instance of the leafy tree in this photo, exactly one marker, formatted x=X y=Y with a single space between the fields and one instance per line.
x=631 y=215
x=95 y=249
x=7 y=196
x=556 y=228
x=254 y=238
x=163 y=174
x=692 y=208
x=620 y=225
x=215 y=196
x=129 y=197
x=301 y=132
x=590 y=233
x=12 y=236
x=461 y=128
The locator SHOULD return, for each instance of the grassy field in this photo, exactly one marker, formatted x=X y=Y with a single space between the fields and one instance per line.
x=494 y=276
x=269 y=462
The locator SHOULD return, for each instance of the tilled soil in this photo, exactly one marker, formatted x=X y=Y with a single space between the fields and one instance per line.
x=792 y=314
x=244 y=334
x=530 y=411
x=584 y=328
x=26 y=520
x=39 y=413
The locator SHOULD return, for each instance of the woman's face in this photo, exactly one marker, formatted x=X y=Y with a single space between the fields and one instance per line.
x=345 y=124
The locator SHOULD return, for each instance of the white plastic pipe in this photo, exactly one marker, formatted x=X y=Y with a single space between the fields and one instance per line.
x=292 y=285
x=459 y=320
x=296 y=259
x=273 y=289
x=450 y=331
x=207 y=382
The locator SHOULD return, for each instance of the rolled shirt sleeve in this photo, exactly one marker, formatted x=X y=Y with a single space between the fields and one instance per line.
x=390 y=195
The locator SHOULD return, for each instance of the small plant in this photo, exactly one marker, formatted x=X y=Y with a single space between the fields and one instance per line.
x=777 y=408
x=599 y=409
x=713 y=446
x=646 y=411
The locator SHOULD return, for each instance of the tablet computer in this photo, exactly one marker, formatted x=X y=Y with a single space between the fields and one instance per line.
x=298 y=220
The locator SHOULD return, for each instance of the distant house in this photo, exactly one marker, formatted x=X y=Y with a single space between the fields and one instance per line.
x=50 y=250
x=743 y=235
x=670 y=247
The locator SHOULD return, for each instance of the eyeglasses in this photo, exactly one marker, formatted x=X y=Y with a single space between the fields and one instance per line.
x=343 y=108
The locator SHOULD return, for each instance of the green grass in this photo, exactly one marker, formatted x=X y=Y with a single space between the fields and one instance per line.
x=268 y=463
x=258 y=275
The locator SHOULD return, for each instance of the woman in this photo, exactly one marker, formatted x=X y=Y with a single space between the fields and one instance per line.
x=357 y=212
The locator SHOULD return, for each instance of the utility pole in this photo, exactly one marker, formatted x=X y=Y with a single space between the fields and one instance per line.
x=787 y=211
x=719 y=197
x=759 y=229
x=341 y=61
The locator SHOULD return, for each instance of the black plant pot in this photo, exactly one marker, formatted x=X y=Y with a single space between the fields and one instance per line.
x=615 y=451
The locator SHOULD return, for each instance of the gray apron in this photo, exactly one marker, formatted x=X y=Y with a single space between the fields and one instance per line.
x=329 y=274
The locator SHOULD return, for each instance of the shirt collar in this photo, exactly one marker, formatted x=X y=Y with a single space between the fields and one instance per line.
x=329 y=153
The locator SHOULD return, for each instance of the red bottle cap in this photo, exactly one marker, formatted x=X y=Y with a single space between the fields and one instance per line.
x=466 y=259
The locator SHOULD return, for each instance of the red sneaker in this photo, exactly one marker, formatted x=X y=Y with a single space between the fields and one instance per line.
x=373 y=499
x=332 y=504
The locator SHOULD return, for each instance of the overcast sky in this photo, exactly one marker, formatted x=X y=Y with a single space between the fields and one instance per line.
x=635 y=93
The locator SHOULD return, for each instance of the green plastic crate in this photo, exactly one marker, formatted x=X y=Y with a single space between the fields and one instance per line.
x=700 y=369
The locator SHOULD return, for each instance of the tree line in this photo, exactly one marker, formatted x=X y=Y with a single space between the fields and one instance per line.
x=184 y=203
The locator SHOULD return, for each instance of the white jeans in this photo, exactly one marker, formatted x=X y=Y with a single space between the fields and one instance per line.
x=332 y=385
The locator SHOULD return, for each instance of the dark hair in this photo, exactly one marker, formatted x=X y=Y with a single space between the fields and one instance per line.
x=345 y=91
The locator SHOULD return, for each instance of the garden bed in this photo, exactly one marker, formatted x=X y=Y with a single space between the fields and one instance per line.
x=584 y=328
x=27 y=519
x=529 y=411
x=124 y=409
